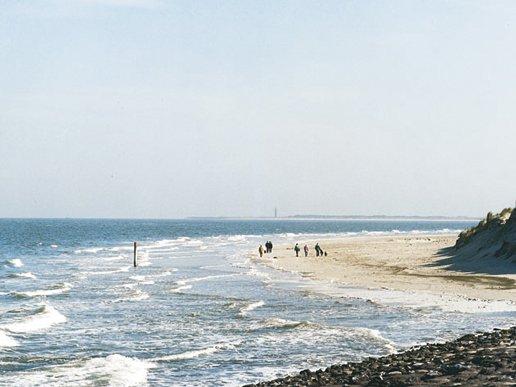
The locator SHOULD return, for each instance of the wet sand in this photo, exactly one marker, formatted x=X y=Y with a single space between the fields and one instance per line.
x=415 y=263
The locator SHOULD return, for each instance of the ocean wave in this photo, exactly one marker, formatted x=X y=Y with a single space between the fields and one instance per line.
x=22 y=275
x=252 y=306
x=7 y=341
x=165 y=273
x=91 y=250
x=253 y=271
x=120 y=270
x=279 y=323
x=57 y=289
x=206 y=278
x=375 y=335
x=42 y=318
x=115 y=258
x=136 y=295
x=116 y=370
x=237 y=238
x=180 y=289
x=196 y=353
x=112 y=370
x=15 y=262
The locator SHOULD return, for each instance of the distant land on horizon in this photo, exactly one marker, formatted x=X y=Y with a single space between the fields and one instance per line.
x=346 y=217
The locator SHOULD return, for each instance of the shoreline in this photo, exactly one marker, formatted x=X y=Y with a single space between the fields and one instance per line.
x=412 y=264
x=473 y=360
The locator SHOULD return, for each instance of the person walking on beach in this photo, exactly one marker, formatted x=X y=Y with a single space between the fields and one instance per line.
x=260 y=251
x=270 y=246
x=317 y=249
x=306 y=250
x=297 y=249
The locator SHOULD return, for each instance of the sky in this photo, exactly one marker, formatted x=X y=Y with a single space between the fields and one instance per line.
x=169 y=109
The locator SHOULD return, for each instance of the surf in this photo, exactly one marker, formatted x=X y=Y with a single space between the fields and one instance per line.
x=41 y=318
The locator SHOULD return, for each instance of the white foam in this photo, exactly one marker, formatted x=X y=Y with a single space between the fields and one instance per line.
x=120 y=370
x=92 y=250
x=246 y=309
x=120 y=270
x=114 y=370
x=122 y=248
x=115 y=258
x=257 y=273
x=376 y=336
x=206 y=278
x=15 y=262
x=139 y=296
x=179 y=289
x=413 y=299
x=42 y=318
x=166 y=273
x=6 y=340
x=136 y=295
x=59 y=289
x=23 y=275
x=128 y=286
x=196 y=353
x=274 y=322
x=54 y=246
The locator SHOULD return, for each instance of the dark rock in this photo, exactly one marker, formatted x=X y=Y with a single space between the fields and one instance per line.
x=472 y=360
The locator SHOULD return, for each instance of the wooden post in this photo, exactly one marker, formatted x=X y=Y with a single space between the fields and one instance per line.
x=134 y=260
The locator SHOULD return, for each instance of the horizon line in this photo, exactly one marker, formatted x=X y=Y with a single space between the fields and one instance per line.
x=287 y=217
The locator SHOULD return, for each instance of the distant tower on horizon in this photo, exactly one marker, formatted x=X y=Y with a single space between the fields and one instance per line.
x=275 y=212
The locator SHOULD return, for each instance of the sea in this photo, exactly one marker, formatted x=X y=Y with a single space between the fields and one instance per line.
x=198 y=309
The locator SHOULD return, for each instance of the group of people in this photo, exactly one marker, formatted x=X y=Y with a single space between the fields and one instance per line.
x=318 y=251
x=268 y=248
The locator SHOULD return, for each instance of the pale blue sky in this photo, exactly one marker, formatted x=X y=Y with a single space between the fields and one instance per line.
x=137 y=108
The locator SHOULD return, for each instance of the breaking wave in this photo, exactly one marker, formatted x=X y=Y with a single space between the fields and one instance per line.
x=57 y=289
x=121 y=270
x=246 y=309
x=22 y=275
x=15 y=262
x=7 y=341
x=42 y=318
x=279 y=323
x=196 y=353
x=179 y=289
x=112 y=370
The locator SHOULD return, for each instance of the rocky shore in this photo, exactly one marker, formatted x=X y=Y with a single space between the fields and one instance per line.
x=481 y=359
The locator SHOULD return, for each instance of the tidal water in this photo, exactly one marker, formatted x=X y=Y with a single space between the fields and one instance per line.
x=197 y=310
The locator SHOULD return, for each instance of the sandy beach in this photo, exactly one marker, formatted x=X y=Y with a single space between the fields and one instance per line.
x=415 y=263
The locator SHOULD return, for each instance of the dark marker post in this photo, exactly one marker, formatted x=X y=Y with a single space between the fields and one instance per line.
x=134 y=260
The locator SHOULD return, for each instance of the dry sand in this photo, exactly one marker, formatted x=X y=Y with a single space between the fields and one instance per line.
x=404 y=263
